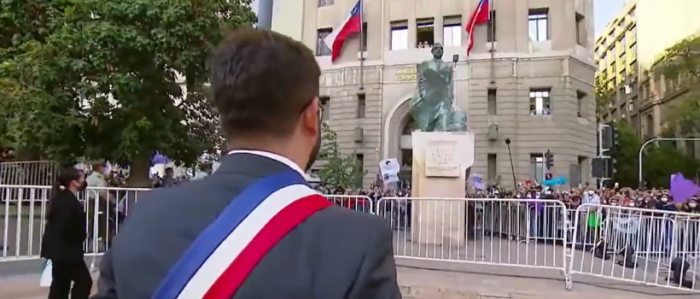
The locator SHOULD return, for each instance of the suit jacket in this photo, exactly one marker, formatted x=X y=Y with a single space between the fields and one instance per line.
x=65 y=229
x=336 y=253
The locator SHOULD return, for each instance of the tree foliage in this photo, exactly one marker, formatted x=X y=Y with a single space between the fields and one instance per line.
x=116 y=80
x=604 y=94
x=340 y=169
x=680 y=64
x=660 y=160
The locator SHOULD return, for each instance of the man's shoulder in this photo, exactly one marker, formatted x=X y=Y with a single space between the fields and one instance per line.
x=340 y=222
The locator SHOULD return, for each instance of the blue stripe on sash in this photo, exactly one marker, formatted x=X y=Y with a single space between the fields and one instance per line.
x=205 y=244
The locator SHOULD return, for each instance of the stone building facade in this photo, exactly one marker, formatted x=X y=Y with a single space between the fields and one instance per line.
x=535 y=87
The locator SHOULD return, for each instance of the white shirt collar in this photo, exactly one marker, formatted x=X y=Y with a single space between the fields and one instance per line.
x=272 y=156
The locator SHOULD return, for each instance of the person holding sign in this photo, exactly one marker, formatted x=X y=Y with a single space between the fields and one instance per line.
x=254 y=229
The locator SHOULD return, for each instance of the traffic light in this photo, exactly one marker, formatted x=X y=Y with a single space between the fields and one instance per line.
x=613 y=149
x=549 y=159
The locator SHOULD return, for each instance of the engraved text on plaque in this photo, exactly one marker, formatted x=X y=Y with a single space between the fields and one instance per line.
x=441 y=159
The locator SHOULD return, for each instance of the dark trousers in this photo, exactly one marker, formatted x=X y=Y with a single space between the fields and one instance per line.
x=65 y=273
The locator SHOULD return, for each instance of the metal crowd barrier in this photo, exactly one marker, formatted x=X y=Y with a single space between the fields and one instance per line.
x=33 y=173
x=651 y=247
x=354 y=202
x=479 y=231
x=627 y=244
x=24 y=210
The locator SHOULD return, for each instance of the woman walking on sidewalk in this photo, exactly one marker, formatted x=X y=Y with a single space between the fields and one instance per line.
x=63 y=239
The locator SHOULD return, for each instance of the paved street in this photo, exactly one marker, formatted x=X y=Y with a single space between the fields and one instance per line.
x=454 y=281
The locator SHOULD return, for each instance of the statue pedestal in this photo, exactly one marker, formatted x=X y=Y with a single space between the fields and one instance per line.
x=440 y=161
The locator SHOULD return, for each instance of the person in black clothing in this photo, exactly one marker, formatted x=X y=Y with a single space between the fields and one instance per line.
x=63 y=238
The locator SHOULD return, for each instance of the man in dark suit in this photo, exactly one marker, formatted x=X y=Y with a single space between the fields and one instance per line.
x=265 y=86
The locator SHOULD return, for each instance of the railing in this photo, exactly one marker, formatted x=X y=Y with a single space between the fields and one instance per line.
x=627 y=244
x=34 y=173
x=651 y=247
x=24 y=210
x=507 y=232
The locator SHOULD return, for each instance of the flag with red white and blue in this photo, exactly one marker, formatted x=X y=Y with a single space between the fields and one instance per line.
x=481 y=15
x=351 y=26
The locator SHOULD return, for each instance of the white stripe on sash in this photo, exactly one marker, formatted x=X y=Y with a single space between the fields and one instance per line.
x=232 y=246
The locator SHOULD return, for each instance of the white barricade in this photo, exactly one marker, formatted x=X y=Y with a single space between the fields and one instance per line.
x=638 y=245
x=628 y=244
x=354 y=202
x=480 y=230
x=24 y=210
x=34 y=173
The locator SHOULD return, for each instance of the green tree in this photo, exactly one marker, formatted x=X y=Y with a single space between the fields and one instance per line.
x=340 y=169
x=604 y=94
x=117 y=80
x=661 y=160
x=680 y=66
x=626 y=155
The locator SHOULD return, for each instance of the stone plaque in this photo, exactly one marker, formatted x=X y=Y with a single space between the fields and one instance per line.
x=441 y=159
x=406 y=75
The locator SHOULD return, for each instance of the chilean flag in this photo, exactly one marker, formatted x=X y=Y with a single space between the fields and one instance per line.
x=481 y=15
x=351 y=25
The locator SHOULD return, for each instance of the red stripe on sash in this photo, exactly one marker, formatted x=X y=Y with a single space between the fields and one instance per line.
x=287 y=219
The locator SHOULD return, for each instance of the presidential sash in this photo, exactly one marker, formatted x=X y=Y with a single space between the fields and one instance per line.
x=219 y=260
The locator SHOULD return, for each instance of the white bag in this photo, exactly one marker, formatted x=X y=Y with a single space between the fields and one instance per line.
x=46 y=275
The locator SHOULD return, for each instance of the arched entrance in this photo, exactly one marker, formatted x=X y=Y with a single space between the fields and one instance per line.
x=397 y=136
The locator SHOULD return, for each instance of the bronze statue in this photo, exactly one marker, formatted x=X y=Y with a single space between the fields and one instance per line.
x=432 y=104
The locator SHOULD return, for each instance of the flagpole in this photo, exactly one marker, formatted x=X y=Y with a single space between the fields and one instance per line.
x=492 y=29
x=362 y=44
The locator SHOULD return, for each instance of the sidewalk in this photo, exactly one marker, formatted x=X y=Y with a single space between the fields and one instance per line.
x=454 y=281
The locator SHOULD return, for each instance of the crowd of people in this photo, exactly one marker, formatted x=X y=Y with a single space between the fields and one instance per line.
x=652 y=199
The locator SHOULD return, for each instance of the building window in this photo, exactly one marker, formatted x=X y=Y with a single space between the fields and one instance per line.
x=539 y=101
x=491 y=33
x=361 y=106
x=538 y=24
x=536 y=167
x=491 y=99
x=399 y=35
x=581 y=103
x=325 y=107
x=322 y=3
x=650 y=126
x=623 y=43
x=425 y=33
x=630 y=105
x=321 y=48
x=634 y=31
x=452 y=31
x=360 y=161
x=633 y=12
x=492 y=168
x=581 y=37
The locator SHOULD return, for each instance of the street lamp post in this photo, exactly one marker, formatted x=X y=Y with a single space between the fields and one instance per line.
x=655 y=139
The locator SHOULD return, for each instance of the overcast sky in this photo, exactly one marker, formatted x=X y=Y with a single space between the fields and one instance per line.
x=605 y=10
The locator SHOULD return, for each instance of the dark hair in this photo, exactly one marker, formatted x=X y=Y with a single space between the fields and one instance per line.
x=261 y=81
x=63 y=179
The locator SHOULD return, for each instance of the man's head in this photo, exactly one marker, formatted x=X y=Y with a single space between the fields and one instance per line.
x=437 y=51
x=98 y=167
x=265 y=86
x=169 y=172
